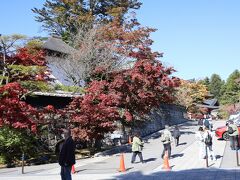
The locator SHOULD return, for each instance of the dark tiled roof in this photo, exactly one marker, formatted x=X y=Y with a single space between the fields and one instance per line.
x=56 y=44
x=207 y=106
x=211 y=102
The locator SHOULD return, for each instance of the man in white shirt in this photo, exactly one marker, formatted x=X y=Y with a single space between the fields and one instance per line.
x=208 y=139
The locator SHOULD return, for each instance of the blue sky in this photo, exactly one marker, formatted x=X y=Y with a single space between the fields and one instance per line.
x=197 y=37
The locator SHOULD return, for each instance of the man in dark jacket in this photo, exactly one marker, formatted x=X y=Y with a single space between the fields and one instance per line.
x=67 y=156
x=233 y=135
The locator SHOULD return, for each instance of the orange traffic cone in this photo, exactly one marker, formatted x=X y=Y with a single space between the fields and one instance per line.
x=73 y=169
x=129 y=140
x=122 y=165
x=165 y=162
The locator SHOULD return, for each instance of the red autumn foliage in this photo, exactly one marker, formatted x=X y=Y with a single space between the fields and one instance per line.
x=144 y=86
x=13 y=111
x=29 y=57
x=33 y=57
x=94 y=113
x=123 y=94
x=135 y=91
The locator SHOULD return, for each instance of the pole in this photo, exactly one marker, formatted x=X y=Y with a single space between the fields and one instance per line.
x=237 y=146
x=206 y=156
x=23 y=163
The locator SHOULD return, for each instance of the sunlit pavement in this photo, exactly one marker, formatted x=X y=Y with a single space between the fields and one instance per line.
x=185 y=164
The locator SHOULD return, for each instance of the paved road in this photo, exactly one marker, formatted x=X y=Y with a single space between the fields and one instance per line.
x=185 y=164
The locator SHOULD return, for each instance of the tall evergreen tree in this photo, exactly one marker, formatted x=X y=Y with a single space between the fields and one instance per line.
x=205 y=82
x=64 y=17
x=231 y=89
x=215 y=85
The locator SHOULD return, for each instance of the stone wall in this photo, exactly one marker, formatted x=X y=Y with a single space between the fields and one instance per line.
x=157 y=119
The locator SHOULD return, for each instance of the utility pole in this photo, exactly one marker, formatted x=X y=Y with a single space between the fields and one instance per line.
x=206 y=156
x=23 y=158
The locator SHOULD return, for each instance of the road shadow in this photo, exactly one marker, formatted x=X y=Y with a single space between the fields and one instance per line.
x=187 y=132
x=177 y=155
x=100 y=162
x=196 y=174
x=150 y=159
x=180 y=144
x=80 y=170
x=210 y=165
x=218 y=156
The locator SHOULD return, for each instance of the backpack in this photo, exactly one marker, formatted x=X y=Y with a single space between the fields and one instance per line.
x=230 y=130
x=208 y=140
x=165 y=137
x=206 y=123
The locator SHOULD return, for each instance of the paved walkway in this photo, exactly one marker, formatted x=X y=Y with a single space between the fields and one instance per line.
x=185 y=164
x=189 y=159
x=230 y=158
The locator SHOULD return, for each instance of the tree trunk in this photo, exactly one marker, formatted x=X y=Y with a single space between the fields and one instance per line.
x=98 y=144
x=124 y=137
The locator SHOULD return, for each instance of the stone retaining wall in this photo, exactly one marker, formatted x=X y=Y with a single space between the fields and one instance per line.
x=166 y=114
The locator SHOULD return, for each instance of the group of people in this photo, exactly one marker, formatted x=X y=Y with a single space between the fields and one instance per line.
x=206 y=122
x=205 y=142
x=166 y=138
x=204 y=137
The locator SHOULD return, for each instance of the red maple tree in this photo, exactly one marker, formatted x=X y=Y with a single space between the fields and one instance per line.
x=28 y=63
x=29 y=57
x=94 y=114
x=122 y=94
x=13 y=111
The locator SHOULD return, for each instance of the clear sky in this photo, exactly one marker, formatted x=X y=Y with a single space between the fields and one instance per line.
x=197 y=37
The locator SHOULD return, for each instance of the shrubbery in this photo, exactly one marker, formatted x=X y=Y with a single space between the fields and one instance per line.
x=13 y=142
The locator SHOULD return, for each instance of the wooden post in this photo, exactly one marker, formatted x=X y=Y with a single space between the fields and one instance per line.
x=206 y=156
x=237 y=146
x=23 y=163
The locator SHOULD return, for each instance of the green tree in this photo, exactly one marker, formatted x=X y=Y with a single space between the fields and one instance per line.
x=13 y=142
x=215 y=85
x=65 y=17
x=189 y=94
x=205 y=81
x=8 y=45
x=231 y=89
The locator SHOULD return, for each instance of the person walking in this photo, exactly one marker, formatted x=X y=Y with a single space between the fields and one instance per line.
x=200 y=141
x=166 y=139
x=233 y=135
x=176 y=135
x=67 y=155
x=206 y=123
x=208 y=139
x=200 y=122
x=137 y=146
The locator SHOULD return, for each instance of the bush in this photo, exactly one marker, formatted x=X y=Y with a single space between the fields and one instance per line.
x=70 y=88
x=37 y=86
x=13 y=142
